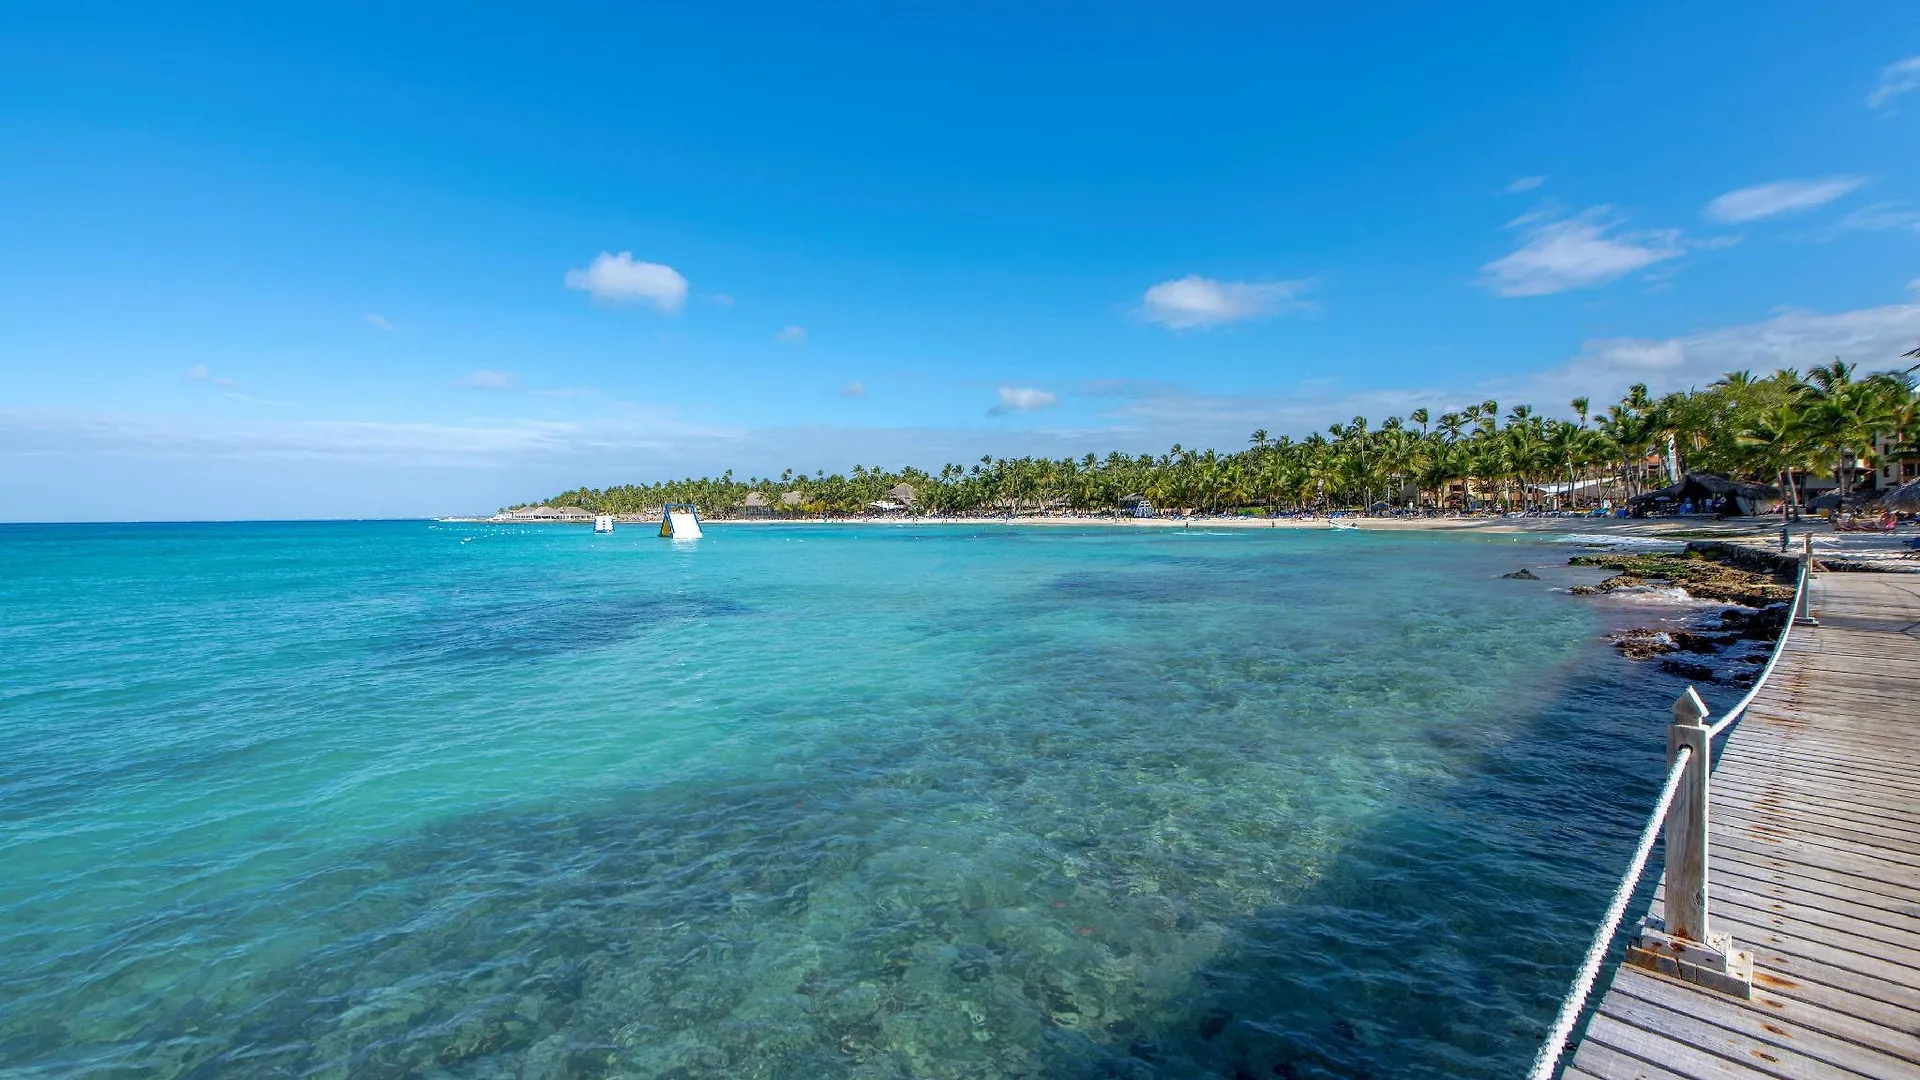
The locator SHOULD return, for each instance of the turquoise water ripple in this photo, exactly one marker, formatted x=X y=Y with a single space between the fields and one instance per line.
x=422 y=800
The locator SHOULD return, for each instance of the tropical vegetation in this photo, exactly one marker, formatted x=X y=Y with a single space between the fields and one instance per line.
x=1779 y=429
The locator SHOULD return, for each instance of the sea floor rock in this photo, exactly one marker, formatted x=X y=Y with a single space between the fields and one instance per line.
x=1522 y=574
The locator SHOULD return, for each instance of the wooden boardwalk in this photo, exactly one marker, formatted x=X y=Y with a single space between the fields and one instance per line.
x=1815 y=867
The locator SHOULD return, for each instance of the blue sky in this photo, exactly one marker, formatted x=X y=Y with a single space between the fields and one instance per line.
x=331 y=260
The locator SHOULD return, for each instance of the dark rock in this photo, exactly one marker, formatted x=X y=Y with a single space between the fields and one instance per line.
x=1212 y=1024
x=1704 y=644
x=1643 y=643
x=1522 y=574
x=1687 y=669
x=1345 y=1030
x=1145 y=1049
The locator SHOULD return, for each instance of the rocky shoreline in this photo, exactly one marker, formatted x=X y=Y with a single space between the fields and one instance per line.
x=1741 y=637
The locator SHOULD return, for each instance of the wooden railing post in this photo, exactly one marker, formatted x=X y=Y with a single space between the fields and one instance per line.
x=1686 y=828
x=1683 y=943
x=1802 y=616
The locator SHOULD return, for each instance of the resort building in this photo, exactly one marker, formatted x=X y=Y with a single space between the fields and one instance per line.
x=1894 y=469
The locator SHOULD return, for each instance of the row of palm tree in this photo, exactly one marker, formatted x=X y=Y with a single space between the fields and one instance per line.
x=1779 y=429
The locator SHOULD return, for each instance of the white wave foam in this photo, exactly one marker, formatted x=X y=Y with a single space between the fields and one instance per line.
x=1641 y=543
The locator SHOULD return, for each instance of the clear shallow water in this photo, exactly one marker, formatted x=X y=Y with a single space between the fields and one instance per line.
x=406 y=799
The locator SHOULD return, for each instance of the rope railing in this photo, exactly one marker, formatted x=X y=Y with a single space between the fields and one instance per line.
x=1570 y=1009
x=1547 y=1061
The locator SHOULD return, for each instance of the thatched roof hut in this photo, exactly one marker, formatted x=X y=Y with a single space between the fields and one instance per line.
x=571 y=513
x=902 y=493
x=793 y=498
x=1906 y=498
x=537 y=512
x=754 y=501
x=1705 y=489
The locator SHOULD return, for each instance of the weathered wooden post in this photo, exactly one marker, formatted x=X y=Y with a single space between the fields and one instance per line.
x=1683 y=944
x=1802 y=616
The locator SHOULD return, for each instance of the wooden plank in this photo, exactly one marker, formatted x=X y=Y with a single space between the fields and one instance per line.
x=1860 y=841
x=1745 y=785
x=1833 y=901
x=1663 y=996
x=1681 y=1054
x=1602 y=1062
x=1869 y=874
x=1778 y=904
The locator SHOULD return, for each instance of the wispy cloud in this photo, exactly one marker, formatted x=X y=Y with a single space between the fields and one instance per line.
x=1023 y=399
x=202 y=373
x=795 y=335
x=1575 y=253
x=1779 y=197
x=1525 y=183
x=379 y=322
x=1193 y=301
x=721 y=299
x=1900 y=77
x=251 y=400
x=400 y=444
x=491 y=380
x=1883 y=216
x=619 y=279
x=854 y=389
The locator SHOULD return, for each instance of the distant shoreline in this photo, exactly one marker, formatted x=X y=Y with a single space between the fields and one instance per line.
x=1647 y=527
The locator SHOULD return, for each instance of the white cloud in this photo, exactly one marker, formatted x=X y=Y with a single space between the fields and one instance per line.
x=1895 y=79
x=1779 y=197
x=618 y=279
x=379 y=322
x=491 y=380
x=1194 y=301
x=1525 y=183
x=199 y=372
x=1871 y=337
x=854 y=389
x=1914 y=285
x=1024 y=399
x=721 y=299
x=1575 y=253
x=1882 y=216
x=794 y=334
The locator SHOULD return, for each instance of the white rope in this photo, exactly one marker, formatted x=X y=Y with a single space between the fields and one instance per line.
x=1779 y=647
x=1549 y=1056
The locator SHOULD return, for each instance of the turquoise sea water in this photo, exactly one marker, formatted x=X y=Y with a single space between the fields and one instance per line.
x=434 y=800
